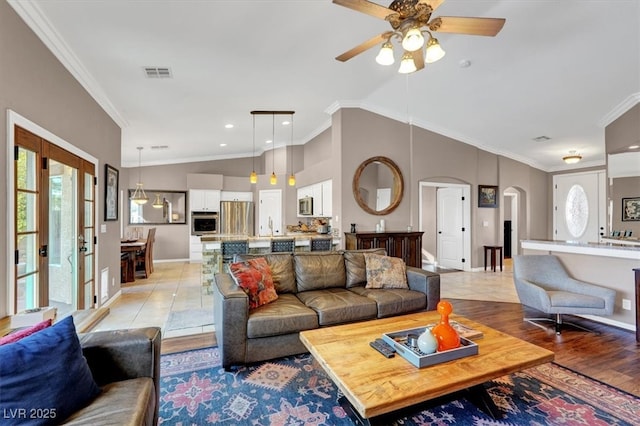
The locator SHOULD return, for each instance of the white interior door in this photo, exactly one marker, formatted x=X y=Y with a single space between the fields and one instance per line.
x=270 y=212
x=450 y=241
x=579 y=201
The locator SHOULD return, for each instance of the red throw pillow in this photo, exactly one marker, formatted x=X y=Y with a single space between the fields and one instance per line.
x=20 y=334
x=254 y=277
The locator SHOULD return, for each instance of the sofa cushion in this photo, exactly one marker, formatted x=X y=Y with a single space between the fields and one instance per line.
x=254 y=277
x=338 y=305
x=21 y=334
x=47 y=373
x=317 y=271
x=127 y=402
x=394 y=301
x=283 y=316
x=281 y=265
x=385 y=272
x=355 y=266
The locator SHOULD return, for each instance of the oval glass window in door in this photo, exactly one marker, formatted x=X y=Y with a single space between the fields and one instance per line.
x=576 y=212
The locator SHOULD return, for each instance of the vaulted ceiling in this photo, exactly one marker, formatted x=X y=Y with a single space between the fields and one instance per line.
x=562 y=69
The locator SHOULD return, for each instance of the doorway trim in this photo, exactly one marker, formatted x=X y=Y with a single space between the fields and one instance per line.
x=15 y=119
x=466 y=213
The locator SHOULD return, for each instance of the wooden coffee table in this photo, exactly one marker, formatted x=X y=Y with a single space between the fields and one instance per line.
x=375 y=385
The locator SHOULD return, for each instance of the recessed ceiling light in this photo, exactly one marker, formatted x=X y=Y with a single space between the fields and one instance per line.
x=228 y=126
x=634 y=146
x=542 y=138
x=465 y=63
x=223 y=144
x=268 y=141
x=286 y=123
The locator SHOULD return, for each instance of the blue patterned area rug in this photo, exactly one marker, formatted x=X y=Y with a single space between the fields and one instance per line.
x=195 y=390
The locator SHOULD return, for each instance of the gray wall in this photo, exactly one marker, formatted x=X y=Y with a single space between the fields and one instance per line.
x=35 y=85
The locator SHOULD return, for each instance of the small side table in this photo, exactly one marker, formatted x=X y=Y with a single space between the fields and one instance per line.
x=493 y=250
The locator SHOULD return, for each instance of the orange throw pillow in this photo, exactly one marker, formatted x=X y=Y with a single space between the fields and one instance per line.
x=255 y=278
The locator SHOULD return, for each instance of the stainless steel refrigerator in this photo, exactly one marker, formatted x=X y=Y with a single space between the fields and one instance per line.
x=236 y=218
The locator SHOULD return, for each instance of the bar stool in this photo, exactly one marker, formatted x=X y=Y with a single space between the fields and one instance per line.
x=321 y=244
x=281 y=245
x=231 y=248
x=492 y=250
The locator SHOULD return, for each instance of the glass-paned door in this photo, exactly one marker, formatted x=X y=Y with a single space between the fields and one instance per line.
x=54 y=226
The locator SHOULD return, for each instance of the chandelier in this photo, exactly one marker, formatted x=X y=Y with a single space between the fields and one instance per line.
x=139 y=196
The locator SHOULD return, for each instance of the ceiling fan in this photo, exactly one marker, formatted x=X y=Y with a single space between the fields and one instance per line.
x=410 y=19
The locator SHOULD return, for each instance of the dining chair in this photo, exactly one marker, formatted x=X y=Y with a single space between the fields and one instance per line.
x=282 y=245
x=144 y=257
x=321 y=244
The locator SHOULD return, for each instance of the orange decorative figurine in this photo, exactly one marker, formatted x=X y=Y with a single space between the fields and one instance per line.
x=446 y=335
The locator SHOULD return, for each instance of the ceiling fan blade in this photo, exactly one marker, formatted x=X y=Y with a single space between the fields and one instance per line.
x=472 y=26
x=379 y=39
x=367 y=7
x=418 y=59
x=434 y=4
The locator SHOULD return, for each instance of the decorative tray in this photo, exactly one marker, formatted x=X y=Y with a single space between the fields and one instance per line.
x=398 y=340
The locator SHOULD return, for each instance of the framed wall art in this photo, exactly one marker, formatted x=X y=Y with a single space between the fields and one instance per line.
x=487 y=196
x=631 y=209
x=111 y=193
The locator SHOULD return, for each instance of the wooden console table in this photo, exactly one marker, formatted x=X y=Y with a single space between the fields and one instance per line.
x=405 y=245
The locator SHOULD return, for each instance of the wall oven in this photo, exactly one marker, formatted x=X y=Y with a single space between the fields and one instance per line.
x=204 y=223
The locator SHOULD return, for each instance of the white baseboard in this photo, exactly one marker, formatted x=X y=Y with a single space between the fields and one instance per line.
x=608 y=321
x=111 y=299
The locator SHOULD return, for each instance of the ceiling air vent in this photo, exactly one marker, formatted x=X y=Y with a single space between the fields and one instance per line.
x=159 y=146
x=157 y=72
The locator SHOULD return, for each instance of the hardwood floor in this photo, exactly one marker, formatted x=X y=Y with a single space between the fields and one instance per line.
x=613 y=356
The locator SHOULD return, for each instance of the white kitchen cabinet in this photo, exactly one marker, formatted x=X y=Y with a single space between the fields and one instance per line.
x=327 y=203
x=321 y=193
x=195 y=249
x=236 y=196
x=204 y=200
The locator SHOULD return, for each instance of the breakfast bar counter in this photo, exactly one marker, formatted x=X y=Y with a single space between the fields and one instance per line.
x=212 y=256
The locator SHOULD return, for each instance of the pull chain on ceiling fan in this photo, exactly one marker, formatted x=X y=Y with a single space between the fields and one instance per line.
x=411 y=21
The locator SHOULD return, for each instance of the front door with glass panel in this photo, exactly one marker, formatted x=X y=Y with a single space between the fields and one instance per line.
x=54 y=193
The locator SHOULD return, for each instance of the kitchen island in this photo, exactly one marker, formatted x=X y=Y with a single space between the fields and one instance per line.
x=212 y=257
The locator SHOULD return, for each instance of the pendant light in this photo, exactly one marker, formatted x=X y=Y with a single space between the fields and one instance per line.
x=273 y=180
x=139 y=197
x=253 y=177
x=292 y=177
x=157 y=203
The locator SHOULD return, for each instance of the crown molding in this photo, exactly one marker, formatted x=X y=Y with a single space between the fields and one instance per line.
x=619 y=109
x=36 y=20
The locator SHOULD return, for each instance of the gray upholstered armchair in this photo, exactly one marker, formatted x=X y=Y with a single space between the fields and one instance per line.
x=543 y=283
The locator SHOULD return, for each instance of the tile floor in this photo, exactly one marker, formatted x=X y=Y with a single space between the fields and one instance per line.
x=175 y=286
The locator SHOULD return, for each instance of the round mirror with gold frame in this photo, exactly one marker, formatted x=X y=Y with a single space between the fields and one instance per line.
x=378 y=185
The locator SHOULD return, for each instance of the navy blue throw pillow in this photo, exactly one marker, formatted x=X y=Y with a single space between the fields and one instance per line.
x=44 y=378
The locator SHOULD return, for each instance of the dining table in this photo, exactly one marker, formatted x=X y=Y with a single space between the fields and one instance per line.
x=129 y=248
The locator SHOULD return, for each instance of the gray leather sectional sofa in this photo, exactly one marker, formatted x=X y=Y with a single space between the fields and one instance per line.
x=315 y=289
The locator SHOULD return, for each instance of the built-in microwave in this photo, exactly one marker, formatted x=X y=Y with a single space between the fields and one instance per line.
x=204 y=223
x=305 y=206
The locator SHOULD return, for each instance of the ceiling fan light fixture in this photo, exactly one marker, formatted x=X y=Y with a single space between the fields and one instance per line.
x=413 y=40
x=407 y=65
x=434 y=51
x=572 y=158
x=385 y=56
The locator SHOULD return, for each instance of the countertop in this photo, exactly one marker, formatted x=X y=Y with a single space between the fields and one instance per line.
x=596 y=249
